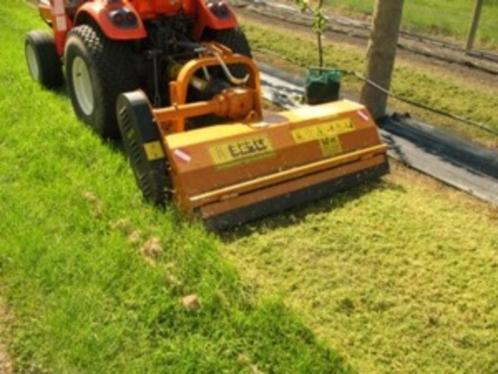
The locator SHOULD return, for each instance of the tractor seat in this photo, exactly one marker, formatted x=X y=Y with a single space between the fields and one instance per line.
x=71 y=6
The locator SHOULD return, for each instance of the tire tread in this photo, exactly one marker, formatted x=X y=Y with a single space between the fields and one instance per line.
x=112 y=63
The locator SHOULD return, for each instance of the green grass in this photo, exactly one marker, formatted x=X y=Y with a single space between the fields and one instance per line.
x=83 y=296
x=427 y=85
x=444 y=17
x=399 y=277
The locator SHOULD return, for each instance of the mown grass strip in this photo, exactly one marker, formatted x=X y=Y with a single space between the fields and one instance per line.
x=399 y=276
x=442 y=91
x=85 y=298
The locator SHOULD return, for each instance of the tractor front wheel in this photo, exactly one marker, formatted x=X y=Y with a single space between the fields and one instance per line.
x=97 y=71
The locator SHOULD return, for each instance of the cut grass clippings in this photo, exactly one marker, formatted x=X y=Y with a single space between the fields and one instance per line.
x=429 y=87
x=399 y=276
x=96 y=279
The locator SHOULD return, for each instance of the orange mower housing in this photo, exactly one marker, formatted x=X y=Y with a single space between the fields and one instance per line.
x=255 y=164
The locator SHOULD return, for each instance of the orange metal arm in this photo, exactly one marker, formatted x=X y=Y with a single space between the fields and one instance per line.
x=179 y=88
x=234 y=104
x=237 y=103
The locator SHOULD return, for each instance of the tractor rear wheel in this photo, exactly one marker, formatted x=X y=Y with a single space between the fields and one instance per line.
x=43 y=62
x=236 y=40
x=97 y=71
x=143 y=146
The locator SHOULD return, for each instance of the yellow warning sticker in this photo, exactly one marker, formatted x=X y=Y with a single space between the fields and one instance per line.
x=241 y=151
x=326 y=134
x=154 y=150
x=323 y=130
x=330 y=146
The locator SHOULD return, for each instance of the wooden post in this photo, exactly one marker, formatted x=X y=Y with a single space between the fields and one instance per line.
x=319 y=25
x=381 y=54
x=476 y=19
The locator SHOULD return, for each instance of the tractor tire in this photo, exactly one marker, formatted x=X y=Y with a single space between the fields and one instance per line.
x=236 y=40
x=143 y=147
x=98 y=70
x=43 y=62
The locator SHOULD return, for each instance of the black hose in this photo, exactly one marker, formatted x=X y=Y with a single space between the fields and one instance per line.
x=467 y=121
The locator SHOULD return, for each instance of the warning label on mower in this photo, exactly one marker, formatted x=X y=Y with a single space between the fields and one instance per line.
x=241 y=151
x=326 y=134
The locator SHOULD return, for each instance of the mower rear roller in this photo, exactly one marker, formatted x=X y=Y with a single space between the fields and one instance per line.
x=143 y=147
x=295 y=199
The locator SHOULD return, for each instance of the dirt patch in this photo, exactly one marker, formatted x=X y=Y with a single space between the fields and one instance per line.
x=152 y=249
x=6 y=366
x=95 y=202
x=5 y=363
x=191 y=303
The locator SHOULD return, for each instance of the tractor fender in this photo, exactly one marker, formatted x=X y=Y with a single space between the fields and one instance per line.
x=104 y=15
x=213 y=14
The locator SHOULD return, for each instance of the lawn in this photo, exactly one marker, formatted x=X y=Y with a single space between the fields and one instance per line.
x=95 y=278
x=445 y=17
x=400 y=276
x=430 y=85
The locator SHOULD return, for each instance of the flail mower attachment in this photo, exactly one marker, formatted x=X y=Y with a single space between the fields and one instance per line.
x=251 y=164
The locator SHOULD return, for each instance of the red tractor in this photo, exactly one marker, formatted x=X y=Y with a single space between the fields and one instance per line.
x=175 y=79
x=113 y=46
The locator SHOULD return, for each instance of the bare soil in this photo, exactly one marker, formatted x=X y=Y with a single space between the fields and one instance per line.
x=5 y=361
